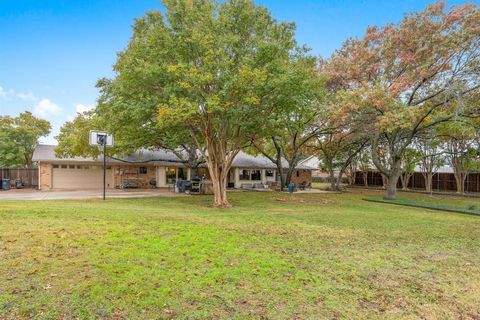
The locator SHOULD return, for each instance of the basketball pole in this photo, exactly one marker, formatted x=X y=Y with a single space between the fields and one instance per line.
x=104 y=166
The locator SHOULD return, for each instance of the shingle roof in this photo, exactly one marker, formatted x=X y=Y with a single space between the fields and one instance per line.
x=46 y=153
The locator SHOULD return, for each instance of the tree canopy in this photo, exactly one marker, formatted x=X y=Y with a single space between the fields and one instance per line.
x=401 y=79
x=19 y=137
x=206 y=71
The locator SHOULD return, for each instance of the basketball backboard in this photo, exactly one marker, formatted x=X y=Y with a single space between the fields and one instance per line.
x=99 y=138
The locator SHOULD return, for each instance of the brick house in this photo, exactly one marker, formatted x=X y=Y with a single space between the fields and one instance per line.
x=143 y=168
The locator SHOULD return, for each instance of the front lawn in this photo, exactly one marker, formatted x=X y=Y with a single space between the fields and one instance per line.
x=308 y=256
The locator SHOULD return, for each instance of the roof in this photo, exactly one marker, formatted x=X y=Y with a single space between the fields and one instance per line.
x=311 y=161
x=161 y=157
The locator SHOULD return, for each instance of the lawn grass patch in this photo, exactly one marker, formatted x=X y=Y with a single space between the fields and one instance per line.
x=307 y=256
x=471 y=208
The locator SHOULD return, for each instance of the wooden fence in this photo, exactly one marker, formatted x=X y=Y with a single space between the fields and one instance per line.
x=28 y=177
x=440 y=181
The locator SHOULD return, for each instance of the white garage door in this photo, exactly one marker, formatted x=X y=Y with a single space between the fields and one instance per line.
x=79 y=177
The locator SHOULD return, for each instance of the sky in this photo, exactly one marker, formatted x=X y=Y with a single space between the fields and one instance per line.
x=53 y=52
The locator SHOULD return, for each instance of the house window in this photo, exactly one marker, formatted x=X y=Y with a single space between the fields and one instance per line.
x=64 y=166
x=55 y=166
x=142 y=170
x=298 y=173
x=171 y=175
x=244 y=175
x=256 y=175
x=269 y=173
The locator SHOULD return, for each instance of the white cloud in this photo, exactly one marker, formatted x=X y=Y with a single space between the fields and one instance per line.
x=81 y=108
x=45 y=107
x=4 y=93
x=27 y=96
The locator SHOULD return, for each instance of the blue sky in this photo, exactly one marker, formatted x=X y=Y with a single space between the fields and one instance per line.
x=53 y=52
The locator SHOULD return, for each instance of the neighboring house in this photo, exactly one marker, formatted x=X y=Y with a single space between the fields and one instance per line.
x=315 y=162
x=143 y=167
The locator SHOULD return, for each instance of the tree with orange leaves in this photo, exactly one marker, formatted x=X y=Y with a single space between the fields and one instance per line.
x=402 y=79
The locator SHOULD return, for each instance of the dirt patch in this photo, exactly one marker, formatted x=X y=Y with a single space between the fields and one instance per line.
x=295 y=199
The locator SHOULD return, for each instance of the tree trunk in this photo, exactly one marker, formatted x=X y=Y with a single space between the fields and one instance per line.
x=219 y=161
x=220 y=192
x=384 y=181
x=339 y=180
x=219 y=186
x=391 y=188
x=405 y=179
x=288 y=178
x=332 y=178
x=428 y=181
x=464 y=179
x=459 y=180
x=280 y=172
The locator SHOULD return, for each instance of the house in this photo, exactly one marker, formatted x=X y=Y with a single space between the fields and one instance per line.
x=315 y=162
x=160 y=167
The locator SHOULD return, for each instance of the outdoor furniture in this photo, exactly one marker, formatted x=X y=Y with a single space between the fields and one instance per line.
x=305 y=185
x=183 y=186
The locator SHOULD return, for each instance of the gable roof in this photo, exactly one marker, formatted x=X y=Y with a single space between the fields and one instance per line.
x=161 y=157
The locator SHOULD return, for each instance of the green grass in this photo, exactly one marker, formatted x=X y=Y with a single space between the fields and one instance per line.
x=275 y=256
x=468 y=208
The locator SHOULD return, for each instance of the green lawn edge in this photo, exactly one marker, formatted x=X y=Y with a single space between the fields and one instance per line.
x=414 y=204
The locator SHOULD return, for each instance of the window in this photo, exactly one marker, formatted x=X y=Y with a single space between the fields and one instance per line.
x=244 y=175
x=63 y=166
x=250 y=175
x=298 y=173
x=256 y=175
x=71 y=167
x=269 y=173
x=182 y=174
x=142 y=170
x=171 y=175
x=55 y=166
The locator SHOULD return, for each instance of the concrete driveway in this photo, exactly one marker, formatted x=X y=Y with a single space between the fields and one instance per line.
x=29 y=194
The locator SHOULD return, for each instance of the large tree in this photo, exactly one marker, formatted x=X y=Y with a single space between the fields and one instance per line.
x=401 y=79
x=19 y=137
x=211 y=68
x=460 y=145
x=337 y=150
x=284 y=136
x=431 y=156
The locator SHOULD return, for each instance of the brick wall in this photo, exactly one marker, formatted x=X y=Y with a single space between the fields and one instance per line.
x=124 y=173
x=45 y=182
x=304 y=175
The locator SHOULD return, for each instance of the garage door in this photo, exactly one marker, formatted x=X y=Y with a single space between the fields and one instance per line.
x=79 y=177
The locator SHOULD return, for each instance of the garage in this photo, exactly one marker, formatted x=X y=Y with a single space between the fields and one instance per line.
x=79 y=177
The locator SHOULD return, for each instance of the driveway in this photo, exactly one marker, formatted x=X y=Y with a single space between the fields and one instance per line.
x=29 y=194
